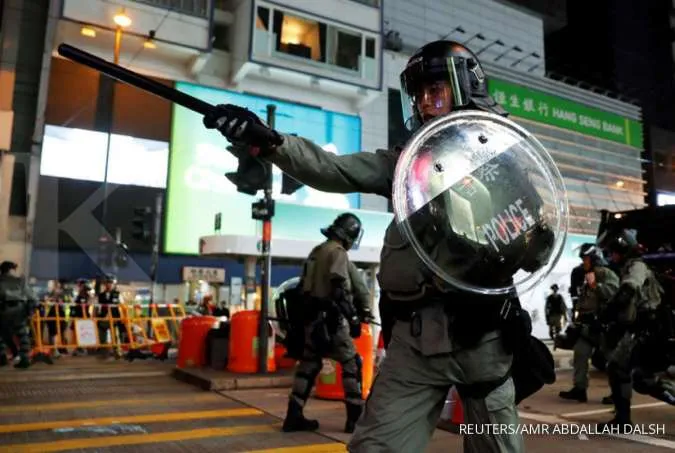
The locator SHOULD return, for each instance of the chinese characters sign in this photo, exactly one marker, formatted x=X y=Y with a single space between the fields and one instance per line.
x=545 y=108
x=207 y=274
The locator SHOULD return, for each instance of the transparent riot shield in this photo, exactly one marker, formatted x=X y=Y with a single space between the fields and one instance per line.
x=481 y=202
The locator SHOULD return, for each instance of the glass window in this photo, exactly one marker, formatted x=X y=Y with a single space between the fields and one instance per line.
x=262 y=19
x=73 y=153
x=81 y=154
x=137 y=161
x=348 y=50
x=370 y=47
x=299 y=36
x=221 y=38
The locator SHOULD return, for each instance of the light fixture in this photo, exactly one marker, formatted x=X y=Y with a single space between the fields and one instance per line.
x=121 y=19
x=88 y=31
x=150 y=41
x=619 y=184
x=618 y=215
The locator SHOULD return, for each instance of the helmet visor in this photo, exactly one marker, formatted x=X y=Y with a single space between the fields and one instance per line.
x=433 y=87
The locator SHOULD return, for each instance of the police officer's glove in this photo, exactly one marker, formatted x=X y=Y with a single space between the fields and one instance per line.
x=367 y=317
x=240 y=125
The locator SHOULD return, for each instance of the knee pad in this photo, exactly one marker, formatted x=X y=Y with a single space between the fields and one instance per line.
x=358 y=365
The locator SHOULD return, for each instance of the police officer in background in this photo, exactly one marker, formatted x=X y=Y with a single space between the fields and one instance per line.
x=109 y=301
x=600 y=285
x=331 y=321
x=432 y=347
x=639 y=293
x=556 y=312
x=577 y=279
x=17 y=304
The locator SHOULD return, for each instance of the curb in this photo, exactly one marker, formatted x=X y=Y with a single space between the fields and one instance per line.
x=198 y=379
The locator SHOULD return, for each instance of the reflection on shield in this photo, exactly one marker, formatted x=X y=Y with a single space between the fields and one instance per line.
x=481 y=200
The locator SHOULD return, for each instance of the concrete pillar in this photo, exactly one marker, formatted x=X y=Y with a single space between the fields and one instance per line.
x=250 y=265
x=16 y=232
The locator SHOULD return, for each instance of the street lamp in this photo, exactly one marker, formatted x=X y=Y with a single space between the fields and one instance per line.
x=122 y=21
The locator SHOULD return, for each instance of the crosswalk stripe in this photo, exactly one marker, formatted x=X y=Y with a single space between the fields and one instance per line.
x=137 y=439
x=145 y=418
x=316 y=448
x=108 y=403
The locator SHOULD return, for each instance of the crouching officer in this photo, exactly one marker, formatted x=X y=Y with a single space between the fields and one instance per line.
x=430 y=349
x=331 y=321
x=600 y=285
x=17 y=304
x=639 y=293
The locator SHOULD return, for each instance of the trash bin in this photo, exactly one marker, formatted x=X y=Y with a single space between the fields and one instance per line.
x=243 y=357
x=219 y=342
x=329 y=381
x=192 y=346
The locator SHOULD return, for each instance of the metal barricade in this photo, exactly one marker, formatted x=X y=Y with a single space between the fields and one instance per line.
x=117 y=327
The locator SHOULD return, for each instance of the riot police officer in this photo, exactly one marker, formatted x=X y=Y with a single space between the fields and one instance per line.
x=577 y=278
x=600 y=285
x=17 y=304
x=556 y=312
x=639 y=292
x=331 y=321
x=109 y=301
x=441 y=336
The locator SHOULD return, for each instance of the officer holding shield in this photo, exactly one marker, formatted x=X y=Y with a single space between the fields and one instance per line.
x=17 y=303
x=468 y=219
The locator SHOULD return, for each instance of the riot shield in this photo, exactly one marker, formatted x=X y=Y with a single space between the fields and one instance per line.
x=288 y=306
x=481 y=202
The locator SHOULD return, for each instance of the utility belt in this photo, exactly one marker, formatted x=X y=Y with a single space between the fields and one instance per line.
x=331 y=312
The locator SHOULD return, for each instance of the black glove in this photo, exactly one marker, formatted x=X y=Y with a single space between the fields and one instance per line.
x=240 y=125
x=367 y=317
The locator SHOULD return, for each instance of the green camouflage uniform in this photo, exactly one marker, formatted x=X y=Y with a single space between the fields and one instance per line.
x=410 y=390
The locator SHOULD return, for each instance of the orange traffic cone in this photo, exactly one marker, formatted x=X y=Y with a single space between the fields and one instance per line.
x=380 y=353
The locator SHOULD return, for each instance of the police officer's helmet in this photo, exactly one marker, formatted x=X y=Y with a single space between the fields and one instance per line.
x=6 y=267
x=109 y=278
x=445 y=61
x=622 y=241
x=347 y=228
x=593 y=252
x=555 y=287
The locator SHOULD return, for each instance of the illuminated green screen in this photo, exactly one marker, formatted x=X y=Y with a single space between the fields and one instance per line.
x=198 y=189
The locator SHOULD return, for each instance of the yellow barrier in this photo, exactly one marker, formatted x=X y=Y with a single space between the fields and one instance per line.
x=87 y=326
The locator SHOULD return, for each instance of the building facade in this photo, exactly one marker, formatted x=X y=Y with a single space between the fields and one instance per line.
x=332 y=70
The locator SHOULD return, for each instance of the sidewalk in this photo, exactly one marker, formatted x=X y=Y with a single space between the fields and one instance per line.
x=214 y=380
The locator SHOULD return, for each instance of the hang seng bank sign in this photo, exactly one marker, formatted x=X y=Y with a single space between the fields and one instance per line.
x=545 y=108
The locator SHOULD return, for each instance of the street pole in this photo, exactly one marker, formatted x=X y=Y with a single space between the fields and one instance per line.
x=109 y=125
x=156 y=228
x=266 y=265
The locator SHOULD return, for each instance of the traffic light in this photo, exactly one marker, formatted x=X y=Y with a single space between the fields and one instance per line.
x=142 y=224
x=251 y=175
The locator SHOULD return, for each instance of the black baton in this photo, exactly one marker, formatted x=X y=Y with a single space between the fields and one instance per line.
x=147 y=84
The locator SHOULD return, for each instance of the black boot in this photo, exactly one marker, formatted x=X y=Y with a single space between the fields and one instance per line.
x=353 y=414
x=607 y=400
x=575 y=394
x=24 y=363
x=621 y=417
x=296 y=421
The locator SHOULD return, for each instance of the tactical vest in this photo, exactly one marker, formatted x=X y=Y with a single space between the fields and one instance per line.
x=316 y=277
x=403 y=275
